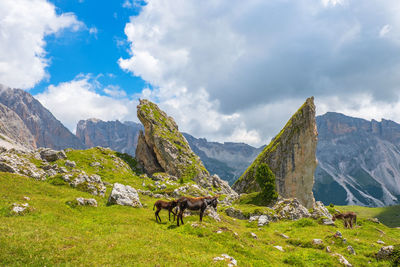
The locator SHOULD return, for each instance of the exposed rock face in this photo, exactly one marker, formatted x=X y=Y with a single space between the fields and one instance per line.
x=291 y=157
x=44 y=127
x=164 y=145
x=358 y=161
x=228 y=160
x=13 y=127
x=124 y=195
x=118 y=136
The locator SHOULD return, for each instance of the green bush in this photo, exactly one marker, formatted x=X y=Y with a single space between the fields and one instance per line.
x=395 y=257
x=266 y=179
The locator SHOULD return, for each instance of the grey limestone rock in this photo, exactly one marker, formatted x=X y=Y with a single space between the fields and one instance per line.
x=124 y=195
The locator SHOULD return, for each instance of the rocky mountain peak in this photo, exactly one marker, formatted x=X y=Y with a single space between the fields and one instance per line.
x=45 y=128
x=291 y=157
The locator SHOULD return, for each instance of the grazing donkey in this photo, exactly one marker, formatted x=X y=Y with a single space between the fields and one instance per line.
x=347 y=217
x=196 y=203
x=160 y=204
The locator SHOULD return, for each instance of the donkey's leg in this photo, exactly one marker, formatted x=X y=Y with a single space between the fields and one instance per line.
x=157 y=214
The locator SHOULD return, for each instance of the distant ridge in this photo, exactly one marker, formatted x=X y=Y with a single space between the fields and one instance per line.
x=44 y=127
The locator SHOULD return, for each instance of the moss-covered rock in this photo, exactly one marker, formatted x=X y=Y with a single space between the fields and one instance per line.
x=162 y=148
x=291 y=157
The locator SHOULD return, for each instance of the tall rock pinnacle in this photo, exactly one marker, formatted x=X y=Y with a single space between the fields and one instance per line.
x=162 y=148
x=291 y=157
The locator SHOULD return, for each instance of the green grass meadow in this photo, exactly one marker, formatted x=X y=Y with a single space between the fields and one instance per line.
x=57 y=234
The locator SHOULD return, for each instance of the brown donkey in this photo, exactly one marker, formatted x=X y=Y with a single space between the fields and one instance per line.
x=195 y=203
x=160 y=204
x=347 y=217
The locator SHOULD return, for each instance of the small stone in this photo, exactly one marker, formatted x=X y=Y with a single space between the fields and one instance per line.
x=279 y=248
x=219 y=232
x=338 y=234
x=96 y=164
x=374 y=220
x=62 y=170
x=86 y=201
x=284 y=236
x=328 y=249
x=351 y=250
x=380 y=242
x=163 y=186
x=27 y=198
x=344 y=240
x=253 y=235
x=317 y=241
x=342 y=260
x=158 y=196
x=263 y=220
x=253 y=218
x=70 y=163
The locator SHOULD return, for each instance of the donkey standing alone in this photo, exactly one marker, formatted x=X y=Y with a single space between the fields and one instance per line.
x=196 y=203
x=347 y=217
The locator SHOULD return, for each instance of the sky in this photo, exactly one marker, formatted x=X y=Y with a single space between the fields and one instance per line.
x=226 y=70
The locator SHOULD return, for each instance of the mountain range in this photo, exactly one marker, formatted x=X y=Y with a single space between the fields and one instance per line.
x=358 y=160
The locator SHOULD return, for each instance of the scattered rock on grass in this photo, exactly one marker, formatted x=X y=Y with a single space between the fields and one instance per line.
x=279 y=248
x=70 y=163
x=86 y=201
x=263 y=220
x=19 y=208
x=284 y=236
x=124 y=195
x=328 y=249
x=290 y=209
x=253 y=235
x=52 y=155
x=342 y=260
x=225 y=257
x=338 y=234
x=374 y=220
x=384 y=252
x=351 y=250
x=380 y=242
x=317 y=241
x=235 y=213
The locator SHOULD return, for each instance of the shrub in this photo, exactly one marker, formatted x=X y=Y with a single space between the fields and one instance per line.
x=395 y=257
x=331 y=205
x=266 y=179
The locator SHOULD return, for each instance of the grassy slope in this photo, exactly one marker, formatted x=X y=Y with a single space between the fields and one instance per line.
x=56 y=234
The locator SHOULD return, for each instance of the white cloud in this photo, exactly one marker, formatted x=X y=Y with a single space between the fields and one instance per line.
x=223 y=67
x=93 y=31
x=114 y=91
x=79 y=99
x=385 y=30
x=23 y=26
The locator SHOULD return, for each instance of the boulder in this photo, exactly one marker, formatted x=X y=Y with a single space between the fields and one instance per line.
x=351 y=250
x=291 y=157
x=263 y=220
x=52 y=155
x=384 y=252
x=317 y=241
x=86 y=201
x=290 y=209
x=124 y=195
x=235 y=213
x=92 y=184
x=70 y=163
x=19 y=209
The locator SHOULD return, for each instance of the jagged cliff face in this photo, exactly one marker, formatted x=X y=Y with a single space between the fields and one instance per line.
x=45 y=128
x=163 y=138
x=121 y=137
x=228 y=160
x=359 y=161
x=12 y=127
x=162 y=148
x=291 y=157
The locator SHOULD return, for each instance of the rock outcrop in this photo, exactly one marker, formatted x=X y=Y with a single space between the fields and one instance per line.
x=119 y=136
x=291 y=157
x=44 y=127
x=14 y=128
x=163 y=148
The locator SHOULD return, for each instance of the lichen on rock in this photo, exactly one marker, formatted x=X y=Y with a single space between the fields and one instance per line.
x=291 y=157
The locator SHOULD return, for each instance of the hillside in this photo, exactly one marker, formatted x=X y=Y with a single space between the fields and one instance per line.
x=120 y=235
x=359 y=161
